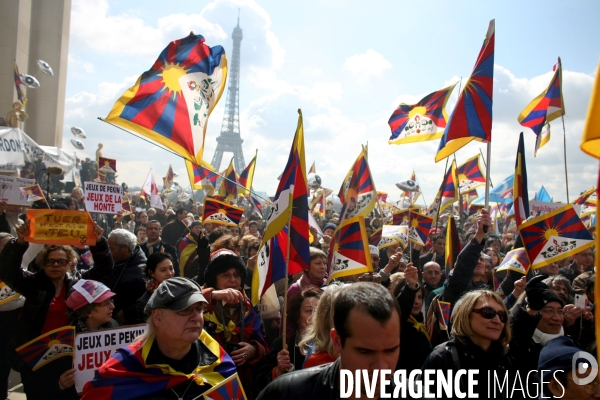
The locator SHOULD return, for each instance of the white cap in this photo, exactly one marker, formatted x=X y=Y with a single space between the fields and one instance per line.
x=373 y=250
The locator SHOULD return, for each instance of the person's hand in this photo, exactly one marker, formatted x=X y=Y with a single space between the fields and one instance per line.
x=67 y=379
x=587 y=314
x=251 y=263
x=120 y=216
x=571 y=312
x=411 y=274
x=327 y=239
x=22 y=231
x=482 y=220
x=283 y=362
x=98 y=232
x=519 y=286
x=314 y=232
x=243 y=354
x=392 y=263
x=231 y=296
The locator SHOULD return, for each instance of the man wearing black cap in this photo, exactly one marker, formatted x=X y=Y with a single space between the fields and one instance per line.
x=175 y=358
x=559 y=380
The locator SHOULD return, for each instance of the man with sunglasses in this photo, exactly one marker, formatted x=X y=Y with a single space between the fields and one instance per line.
x=175 y=358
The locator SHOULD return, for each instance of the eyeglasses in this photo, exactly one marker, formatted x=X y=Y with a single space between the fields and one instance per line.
x=490 y=313
x=549 y=312
x=200 y=309
x=62 y=262
x=106 y=304
x=229 y=276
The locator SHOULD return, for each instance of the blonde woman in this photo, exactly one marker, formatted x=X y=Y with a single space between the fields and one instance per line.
x=316 y=344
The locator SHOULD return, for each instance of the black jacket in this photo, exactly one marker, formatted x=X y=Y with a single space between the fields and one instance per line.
x=39 y=290
x=415 y=346
x=166 y=248
x=173 y=231
x=460 y=281
x=128 y=282
x=203 y=251
x=522 y=346
x=266 y=365
x=469 y=356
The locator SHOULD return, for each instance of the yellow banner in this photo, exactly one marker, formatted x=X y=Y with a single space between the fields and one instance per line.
x=75 y=228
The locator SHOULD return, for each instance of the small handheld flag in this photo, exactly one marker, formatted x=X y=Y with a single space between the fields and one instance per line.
x=470 y=174
x=349 y=254
x=32 y=193
x=48 y=347
x=107 y=165
x=217 y=212
x=515 y=260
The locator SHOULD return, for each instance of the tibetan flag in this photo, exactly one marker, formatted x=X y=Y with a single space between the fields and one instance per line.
x=382 y=196
x=472 y=115
x=19 y=85
x=497 y=278
x=445 y=309
x=554 y=236
x=48 y=347
x=168 y=180
x=230 y=388
x=349 y=254
x=246 y=177
x=420 y=122
x=546 y=107
x=418 y=228
x=400 y=217
x=217 y=212
x=290 y=204
x=520 y=193
x=360 y=194
x=32 y=193
x=590 y=205
x=255 y=203
x=171 y=102
x=470 y=174
x=318 y=206
x=126 y=206
x=202 y=176
x=475 y=209
x=107 y=165
x=582 y=199
x=393 y=234
x=453 y=247
x=542 y=138
x=447 y=194
x=229 y=189
x=515 y=260
x=375 y=238
x=312 y=169
x=7 y=294
x=468 y=198
x=590 y=140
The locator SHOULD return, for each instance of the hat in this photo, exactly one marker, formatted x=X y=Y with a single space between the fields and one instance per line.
x=221 y=261
x=175 y=294
x=373 y=250
x=557 y=355
x=86 y=291
x=538 y=294
x=329 y=225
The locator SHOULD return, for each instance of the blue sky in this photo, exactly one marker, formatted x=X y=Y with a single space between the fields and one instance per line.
x=347 y=66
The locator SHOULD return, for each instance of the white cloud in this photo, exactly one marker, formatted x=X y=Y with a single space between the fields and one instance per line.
x=368 y=64
x=78 y=66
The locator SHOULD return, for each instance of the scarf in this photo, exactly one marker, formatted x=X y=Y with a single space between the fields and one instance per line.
x=151 y=246
x=151 y=284
x=543 y=338
x=126 y=376
x=419 y=326
x=251 y=323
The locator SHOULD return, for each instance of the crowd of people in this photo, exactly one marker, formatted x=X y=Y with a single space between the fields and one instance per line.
x=191 y=283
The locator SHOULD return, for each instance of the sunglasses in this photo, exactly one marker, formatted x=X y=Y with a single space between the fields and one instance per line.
x=490 y=313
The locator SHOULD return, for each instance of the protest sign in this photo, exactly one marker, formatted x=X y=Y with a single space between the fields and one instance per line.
x=92 y=349
x=9 y=190
x=537 y=208
x=102 y=197
x=75 y=228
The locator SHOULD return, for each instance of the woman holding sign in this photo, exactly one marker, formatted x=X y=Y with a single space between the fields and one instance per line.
x=45 y=308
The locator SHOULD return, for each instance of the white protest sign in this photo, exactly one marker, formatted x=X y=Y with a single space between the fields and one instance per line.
x=92 y=349
x=9 y=190
x=102 y=197
x=537 y=208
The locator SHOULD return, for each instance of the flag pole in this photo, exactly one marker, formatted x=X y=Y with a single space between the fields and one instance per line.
x=562 y=117
x=437 y=218
x=287 y=265
x=485 y=165
x=178 y=155
x=487 y=181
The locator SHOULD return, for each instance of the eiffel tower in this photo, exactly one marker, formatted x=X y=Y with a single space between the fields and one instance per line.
x=229 y=140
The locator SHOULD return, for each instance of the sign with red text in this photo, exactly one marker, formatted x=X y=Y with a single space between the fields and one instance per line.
x=70 y=227
x=102 y=197
x=92 y=349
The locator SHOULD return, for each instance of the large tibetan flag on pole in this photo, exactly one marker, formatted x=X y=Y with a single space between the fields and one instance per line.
x=470 y=175
x=171 y=102
x=420 y=122
x=554 y=236
x=446 y=195
x=246 y=177
x=520 y=193
x=228 y=189
x=548 y=106
x=289 y=205
x=217 y=212
x=350 y=249
x=359 y=193
x=590 y=140
x=472 y=115
x=202 y=176
x=418 y=228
